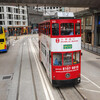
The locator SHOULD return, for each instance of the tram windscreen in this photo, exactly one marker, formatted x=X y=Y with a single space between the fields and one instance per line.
x=67 y=29
x=1 y=31
x=67 y=59
x=57 y=59
x=76 y=57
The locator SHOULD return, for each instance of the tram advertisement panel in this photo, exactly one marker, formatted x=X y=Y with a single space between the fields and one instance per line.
x=66 y=44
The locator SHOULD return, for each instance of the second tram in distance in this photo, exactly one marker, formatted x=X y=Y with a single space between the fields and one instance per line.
x=60 y=50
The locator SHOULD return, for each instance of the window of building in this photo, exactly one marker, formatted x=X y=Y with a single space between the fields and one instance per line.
x=1 y=16
x=24 y=17
x=88 y=20
x=76 y=57
x=10 y=22
x=16 y=10
x=53 y=7
x=9 y=16
x=23 y=11
x=18 y=23
x=1 y=9
x=2 y=22
x=47 y=7
x=57 y=59
x=24 y=23
x=67 y=29
x=17 y=17
x=77 y=28
x=44 y=7
x=55 y=29
x=67 y=59
x=50 y=7
x=9 y=9
x=33 y=7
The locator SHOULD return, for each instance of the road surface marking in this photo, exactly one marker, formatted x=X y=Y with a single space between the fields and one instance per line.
x=85 y=81
x=89 y=90
x=91 y=81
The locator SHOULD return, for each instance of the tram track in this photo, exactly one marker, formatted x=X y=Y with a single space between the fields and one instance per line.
x=19 y=79
x=84 y=98
x=61 y=94
x=34 y=85
x=60 y=91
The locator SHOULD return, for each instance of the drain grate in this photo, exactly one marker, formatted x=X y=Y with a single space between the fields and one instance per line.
x=97 y=58
x=6 y=77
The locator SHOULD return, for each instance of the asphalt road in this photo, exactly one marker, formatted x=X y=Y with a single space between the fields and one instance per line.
x=33 y=82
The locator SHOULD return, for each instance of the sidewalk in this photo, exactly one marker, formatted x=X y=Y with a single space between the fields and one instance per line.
x=90 y=48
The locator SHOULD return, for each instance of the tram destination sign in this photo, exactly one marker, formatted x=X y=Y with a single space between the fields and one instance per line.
x=67 y=46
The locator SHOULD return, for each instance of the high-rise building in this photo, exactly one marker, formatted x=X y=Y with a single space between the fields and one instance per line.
x=13 y=16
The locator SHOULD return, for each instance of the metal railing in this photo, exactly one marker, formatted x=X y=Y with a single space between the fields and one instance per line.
x=89 y=47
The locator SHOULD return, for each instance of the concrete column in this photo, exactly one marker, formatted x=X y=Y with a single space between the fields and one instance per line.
x=93 y=23
x=83 y=29
x=5 y=15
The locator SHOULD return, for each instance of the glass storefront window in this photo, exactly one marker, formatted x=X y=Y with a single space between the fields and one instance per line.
x=57 y=59
x=76 y=57
x=77 y=28
x=88 y=20
x=67 y=58
x=55 y=29
x=98 y=20
x=67 y=29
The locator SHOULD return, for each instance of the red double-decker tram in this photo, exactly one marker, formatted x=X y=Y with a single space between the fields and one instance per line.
x=60 y=50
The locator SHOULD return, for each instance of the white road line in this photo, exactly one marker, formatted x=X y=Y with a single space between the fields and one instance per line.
x=13 y=44
x=91 y=81
x=24 y=43
x=85 y=81
x=42 y=76
x=89 y=90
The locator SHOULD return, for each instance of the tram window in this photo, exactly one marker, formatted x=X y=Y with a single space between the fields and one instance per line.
x=57 y=59
x=49 y=57
x=67 y=29
x=48 y=28
x=55 y=29
x=77 y=28
x=76 y=57
x=67 y=58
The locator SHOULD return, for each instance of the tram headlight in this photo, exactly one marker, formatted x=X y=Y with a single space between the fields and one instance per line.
x=67 y=75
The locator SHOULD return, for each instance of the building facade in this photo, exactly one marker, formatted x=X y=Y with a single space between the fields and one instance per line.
x=90 y=26
x=14 y=19
x=13 y=16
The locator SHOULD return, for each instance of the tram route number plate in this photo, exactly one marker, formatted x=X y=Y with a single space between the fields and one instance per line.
x=68 y=46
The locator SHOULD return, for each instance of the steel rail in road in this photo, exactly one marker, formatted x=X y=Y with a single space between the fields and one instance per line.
x=29 y=51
